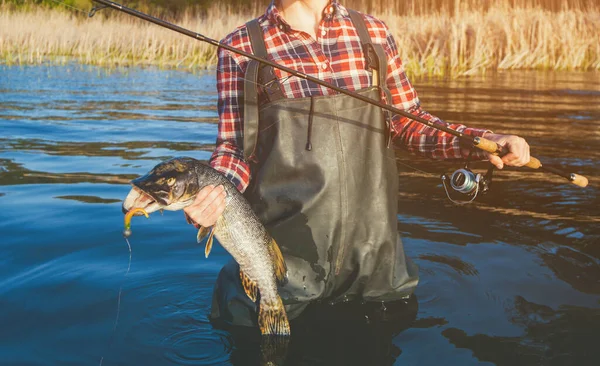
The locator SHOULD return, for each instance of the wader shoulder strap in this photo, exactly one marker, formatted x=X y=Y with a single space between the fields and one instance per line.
x=374 y=53
x=257 y=75
x=256 y=38
x=376 y=61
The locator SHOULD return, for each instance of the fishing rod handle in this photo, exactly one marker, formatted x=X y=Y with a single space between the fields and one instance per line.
x=579 y=180
x=534 y=163
x=493 y=148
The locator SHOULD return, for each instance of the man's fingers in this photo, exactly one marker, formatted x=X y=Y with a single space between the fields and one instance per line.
x=204 y=192
x=217 y=211
x=518 y=150
x=216 y=194
x=519 y=153
x=510 y=158
x=199 y=202
x=514 y=160
x=213 y=201
x=496 y=161
x=214 y=209
x=204 y=198
x=208 y=205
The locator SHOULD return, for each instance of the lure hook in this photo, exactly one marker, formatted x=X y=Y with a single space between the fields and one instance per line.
x=128 y=216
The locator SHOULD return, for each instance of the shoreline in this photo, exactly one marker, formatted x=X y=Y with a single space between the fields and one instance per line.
x=470 y=42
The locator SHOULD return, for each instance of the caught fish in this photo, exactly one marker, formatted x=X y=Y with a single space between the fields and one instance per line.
x=173 y=185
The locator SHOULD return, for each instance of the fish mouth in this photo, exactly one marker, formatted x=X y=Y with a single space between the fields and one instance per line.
x=140 y=199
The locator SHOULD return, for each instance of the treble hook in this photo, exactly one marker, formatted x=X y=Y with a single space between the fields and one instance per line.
x=95 y=9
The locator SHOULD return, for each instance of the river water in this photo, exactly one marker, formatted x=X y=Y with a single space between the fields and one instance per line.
x=511 y=279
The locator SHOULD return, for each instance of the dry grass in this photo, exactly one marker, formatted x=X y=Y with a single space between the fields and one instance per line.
x=503 y=37
x=42 y=35
x=460 y=38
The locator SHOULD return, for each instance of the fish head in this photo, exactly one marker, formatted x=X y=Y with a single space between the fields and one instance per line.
x=171 y=185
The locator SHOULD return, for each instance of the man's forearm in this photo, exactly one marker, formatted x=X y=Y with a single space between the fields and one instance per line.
x=430 y=142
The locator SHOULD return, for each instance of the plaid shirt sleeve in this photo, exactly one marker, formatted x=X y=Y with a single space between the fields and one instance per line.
x=416 y=137
x=228 y=156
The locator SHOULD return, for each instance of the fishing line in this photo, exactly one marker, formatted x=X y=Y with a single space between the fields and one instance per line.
x=121 y=288
x=411 y=167
x=112 y=337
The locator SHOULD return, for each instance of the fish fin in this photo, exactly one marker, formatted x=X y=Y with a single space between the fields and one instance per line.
x=250 y=287
x=278 y=262
x=187 y=218
x=202 y=232
x=209 y=242
x=272 y=319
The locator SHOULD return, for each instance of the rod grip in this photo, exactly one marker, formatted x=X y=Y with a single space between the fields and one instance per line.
x=486 y=145
x=579 y=180
x=492 y=147
x=533 y=163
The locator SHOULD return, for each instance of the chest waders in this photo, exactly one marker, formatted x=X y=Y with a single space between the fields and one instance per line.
x=325 y=184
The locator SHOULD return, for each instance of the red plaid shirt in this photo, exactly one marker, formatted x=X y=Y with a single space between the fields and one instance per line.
x=336 y=57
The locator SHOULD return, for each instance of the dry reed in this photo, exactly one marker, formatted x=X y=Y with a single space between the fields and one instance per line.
x=459 y=39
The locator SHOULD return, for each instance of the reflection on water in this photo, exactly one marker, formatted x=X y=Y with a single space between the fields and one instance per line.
x=512 y=279
x=351 y=333
x=551 y=337
x=89 y=199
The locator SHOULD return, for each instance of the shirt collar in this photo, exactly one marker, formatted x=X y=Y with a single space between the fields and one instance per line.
x=333 y=9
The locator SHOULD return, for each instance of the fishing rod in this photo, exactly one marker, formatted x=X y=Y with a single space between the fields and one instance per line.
x=475 y=141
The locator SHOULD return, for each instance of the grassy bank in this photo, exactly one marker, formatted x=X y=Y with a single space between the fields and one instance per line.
x=461 y=37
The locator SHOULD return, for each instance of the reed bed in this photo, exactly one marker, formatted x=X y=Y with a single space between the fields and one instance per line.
x=459 y=39
x=56 y=36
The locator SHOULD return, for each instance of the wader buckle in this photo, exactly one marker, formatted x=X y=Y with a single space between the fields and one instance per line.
x=370 y=56
x=269 y=84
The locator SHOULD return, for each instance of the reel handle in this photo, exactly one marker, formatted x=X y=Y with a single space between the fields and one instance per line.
x=534 y=163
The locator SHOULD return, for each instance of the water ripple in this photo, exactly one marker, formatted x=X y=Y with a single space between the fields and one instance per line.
x=196 y=347
x=521 y=265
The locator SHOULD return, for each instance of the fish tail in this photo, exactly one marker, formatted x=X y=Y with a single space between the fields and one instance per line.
x=272 y=319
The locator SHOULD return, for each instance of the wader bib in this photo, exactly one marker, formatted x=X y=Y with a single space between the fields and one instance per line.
x=325 y=185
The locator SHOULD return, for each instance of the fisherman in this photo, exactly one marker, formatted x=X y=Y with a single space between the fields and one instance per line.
x=317 y=166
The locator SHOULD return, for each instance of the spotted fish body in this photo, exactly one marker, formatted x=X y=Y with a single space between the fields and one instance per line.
x=174 y=184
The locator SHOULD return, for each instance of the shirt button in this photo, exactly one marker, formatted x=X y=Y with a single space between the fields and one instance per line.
x=324 y=65
x=323 y=32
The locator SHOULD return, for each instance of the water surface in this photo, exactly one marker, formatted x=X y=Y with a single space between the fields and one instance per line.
x=513 y=278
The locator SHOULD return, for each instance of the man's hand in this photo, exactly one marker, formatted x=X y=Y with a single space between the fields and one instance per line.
x=208 y=206
x=518 y=150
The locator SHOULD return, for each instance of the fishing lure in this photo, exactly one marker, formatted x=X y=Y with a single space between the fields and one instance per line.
x=128 y=216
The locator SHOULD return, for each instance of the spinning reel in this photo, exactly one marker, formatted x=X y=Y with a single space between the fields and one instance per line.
x=467 y=183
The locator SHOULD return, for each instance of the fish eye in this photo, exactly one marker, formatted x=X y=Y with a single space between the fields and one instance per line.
x=171 y=181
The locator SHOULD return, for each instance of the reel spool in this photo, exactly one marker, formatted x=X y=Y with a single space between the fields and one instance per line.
x=467 y=183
